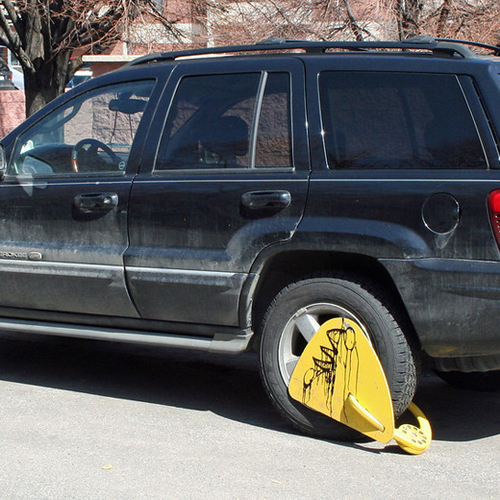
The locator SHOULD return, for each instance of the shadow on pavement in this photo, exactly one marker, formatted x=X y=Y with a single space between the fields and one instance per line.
x=458 y=414
x=229 y=386
x=226 y=385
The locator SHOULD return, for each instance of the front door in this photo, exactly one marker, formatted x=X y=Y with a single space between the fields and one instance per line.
x=64 y=203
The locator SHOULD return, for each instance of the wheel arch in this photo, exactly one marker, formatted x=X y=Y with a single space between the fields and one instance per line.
x=287 y=267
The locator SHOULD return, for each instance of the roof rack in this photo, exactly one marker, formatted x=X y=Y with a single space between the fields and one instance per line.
x=437 y=46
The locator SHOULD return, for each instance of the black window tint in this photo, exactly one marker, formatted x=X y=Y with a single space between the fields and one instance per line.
x=391 y=120
x=273 y=146
x=210 y=123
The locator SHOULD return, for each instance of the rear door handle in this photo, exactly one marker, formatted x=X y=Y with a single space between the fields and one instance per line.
x=266 y=200
x=96 y=202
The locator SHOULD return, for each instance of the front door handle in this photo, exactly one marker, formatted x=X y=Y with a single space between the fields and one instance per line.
x=96 y=202
x=266 y=200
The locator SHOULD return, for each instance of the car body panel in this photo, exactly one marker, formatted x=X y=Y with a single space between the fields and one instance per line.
x=54 y=258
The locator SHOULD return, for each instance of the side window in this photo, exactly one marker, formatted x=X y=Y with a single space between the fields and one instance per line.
x=213 y=118
x=273 y=146
x=91 y=133
x=397 y=120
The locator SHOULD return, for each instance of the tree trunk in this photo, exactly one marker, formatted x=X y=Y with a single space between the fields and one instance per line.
x=46 y=84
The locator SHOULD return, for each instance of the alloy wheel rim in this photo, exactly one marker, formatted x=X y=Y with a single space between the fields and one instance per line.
x=301 y=327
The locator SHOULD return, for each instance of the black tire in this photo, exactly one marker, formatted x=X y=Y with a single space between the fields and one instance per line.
x=473 y=381
x=318 y=299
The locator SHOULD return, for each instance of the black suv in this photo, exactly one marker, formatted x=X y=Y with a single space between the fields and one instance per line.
x=224 y=203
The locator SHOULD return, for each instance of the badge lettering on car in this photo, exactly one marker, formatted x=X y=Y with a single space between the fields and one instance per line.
x=21 y=255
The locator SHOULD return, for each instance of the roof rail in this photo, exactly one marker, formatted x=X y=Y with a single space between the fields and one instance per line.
x=437 y=46
x=494 y=48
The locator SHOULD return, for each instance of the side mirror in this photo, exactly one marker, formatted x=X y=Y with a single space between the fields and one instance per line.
x=3 y=162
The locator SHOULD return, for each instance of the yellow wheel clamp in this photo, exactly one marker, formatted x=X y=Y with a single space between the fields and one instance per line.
x=340 y=375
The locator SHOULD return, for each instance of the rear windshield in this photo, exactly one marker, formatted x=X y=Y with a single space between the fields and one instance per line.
x=397 y=120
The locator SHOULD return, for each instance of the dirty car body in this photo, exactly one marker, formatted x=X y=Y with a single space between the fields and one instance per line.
x=191 y=202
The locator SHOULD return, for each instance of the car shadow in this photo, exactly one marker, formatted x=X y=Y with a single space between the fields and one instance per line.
x=227 y=385
x=458 y=414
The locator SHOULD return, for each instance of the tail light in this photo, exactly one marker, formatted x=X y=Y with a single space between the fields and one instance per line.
x=494 y=209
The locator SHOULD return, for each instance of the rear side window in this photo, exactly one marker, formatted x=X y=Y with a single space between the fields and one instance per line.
x=397 y=120
x=228 y=121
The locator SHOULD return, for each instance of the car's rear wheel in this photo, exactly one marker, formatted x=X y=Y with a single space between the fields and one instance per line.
x=292 y=319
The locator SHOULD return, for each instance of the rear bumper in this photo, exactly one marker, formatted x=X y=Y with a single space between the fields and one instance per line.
x=454 y=304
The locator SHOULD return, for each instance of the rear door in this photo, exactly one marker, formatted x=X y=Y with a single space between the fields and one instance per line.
x=228 y=179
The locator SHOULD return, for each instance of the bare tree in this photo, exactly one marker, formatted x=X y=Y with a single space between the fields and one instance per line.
x=49 y=36
x=477 y=20
x=407 y=14
x=230 y=21
x=44 y=35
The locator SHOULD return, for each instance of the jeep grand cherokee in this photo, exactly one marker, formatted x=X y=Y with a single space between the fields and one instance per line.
x=224 y=203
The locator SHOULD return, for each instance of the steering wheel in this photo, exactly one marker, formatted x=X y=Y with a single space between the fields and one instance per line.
x=95 y=145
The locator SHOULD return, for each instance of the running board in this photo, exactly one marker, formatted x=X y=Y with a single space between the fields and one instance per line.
x=220 y=342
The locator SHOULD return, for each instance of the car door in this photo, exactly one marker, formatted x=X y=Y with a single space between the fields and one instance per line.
x=228 y=179
x=64 y=203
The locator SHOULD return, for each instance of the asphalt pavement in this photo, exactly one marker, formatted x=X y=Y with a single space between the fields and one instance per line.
x=98 y=420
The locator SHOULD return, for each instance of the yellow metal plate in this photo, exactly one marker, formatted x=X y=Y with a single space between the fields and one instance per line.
x=339 y=374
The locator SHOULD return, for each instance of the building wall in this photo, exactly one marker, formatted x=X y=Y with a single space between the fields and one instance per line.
x=12 y=110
